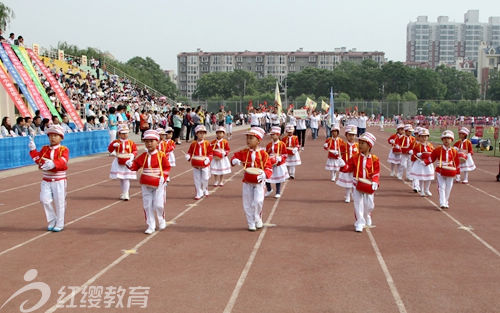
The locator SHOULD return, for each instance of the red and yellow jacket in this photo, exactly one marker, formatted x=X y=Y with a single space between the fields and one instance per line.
x=364 y=166
x=261 y=160
x=166 y=146
x=126 y=146
x=347 y=150
x=59 y=155
x=152 y=163
x=334 y=144
x=407 y=143
x=220 y=144
x=278 y=149
x=291 y=141
x=201 y=148
x=445 y=157
x=419 y=147
x=464 y=145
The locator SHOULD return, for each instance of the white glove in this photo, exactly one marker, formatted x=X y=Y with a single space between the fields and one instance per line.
x=32 y=145
x=223 y=153
x=162 y=180
x=295 y=150
x=116 y=144
x=335 y=152
x=419 y=154
x=391 y=141
x=374 y=186
x=342 y=163
x=206 y=161
x=236 y=162
x=187 y=156
x=397 y=147
x=325 y=145
x=261 y=177
x=410 y=152
x=278 y=159
x=129 y=163
x=48 y=165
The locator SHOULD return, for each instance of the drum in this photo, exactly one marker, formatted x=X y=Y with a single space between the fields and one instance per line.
x=289 y=150
x=150 y=179
x=198 y=161
x=462 y=156
x=364 y=185
x=448 y=171
x=272 y=159
x=218 y=153
x=123 y=158
x=252 y=174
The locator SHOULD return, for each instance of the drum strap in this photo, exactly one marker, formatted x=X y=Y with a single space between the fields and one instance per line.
x=159 y=162
x=357 y=166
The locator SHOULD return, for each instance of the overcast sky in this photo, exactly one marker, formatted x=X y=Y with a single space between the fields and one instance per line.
x=162 y=29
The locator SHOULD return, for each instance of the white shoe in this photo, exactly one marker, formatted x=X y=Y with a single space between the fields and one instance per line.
x=122 y=196
x=428 y=193
x=259 y=224
x=163 y=225
x=359 y=229
x=149 y=231
x=302 y=149
x=252 y=228
x=126 y=197
x=277 y=196
x=168 y=179
x=347 y=200
x=368 y=221
x=206 y=193
x=392 y=174
x=268 y=193
x=332 y=179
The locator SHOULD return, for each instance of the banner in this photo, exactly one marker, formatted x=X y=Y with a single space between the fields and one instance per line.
x=310 y=104
x=331 y=111
x=44 y=112
x=277 y=99
x=17 y=79
x=300 y=113
x=324 y=106
x=61 y=95
x=13 y=94
x=21 y=53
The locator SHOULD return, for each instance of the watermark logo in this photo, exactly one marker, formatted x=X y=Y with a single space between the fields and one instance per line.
x=91 y=297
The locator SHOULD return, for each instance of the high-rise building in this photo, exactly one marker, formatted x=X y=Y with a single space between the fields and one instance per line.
x=192 y=65
x=444 y=42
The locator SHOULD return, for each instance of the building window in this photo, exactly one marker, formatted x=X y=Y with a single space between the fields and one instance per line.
x=259 y=68
x=258 y=59
x=204 y=59
x=239 y=59
x=270 y=59
x=312 y=58
x=291 y=58
x=216 y=59
x=182 y=59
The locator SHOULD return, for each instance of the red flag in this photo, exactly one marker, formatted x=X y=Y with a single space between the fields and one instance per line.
x=290 y=106
x=265 y=103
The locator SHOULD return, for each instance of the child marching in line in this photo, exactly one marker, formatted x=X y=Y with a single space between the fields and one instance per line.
x=292 y=145
x=332 y=145
x=200 y=154
x=395 y=153
x=153 y=180
x=421 y=171
x=465 y=151
x=407 y=142
x=347 y=150
x=123 y=148
x=220 y=163
x=167 y=145
x=415 y=183
x=448 y=167
x=258 y=168
x=53 y=161
x=277 y=152
x=366 y=174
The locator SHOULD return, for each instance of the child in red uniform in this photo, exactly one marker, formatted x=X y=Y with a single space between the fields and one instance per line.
x=292 y=145
x=200 y=154
x=366 y=172
x=407 y=142
x=255 y=159
x=277 y=152
x=167 y=145
x=465 y=151
x=421 y=171
x=395 y=153
x=53 y=161
x=123 y=149
x=447 y=167
x=334 y=161
x=153 y=180
x=347 y=150
x=220 y=163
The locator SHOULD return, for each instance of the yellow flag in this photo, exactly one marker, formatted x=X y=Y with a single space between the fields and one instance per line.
x=324 y=105
x=310 y=104
x=277 y=99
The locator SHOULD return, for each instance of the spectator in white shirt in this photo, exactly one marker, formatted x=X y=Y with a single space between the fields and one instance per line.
x=315 y=120
x=11 y=39
x=362 y=123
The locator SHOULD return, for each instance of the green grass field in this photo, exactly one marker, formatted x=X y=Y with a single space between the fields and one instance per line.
x=435 y=138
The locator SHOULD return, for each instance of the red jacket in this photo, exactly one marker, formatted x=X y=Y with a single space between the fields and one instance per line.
x=465 y=145
x=59 y=155
x=278 y=149
x=157 y=162
x=445 y=157
x=420 y=148
x=222 y=144
x=203 y=148
x=262 y=160
x=407 y=143
x=347 y=150
x=370 y=171
x=126 y=146
x=334 y=144
x=167 y=146
x=397 y=141
x=291 y=141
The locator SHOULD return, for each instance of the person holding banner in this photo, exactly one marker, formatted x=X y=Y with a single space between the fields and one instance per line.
x=156 y=169
x=124 y=149
x=200 y=155
x=465 y=151
x=292 y=148
x=258 y=168
x=53 y=161
x=220 y=164
x=277 y=152
x=334 y=161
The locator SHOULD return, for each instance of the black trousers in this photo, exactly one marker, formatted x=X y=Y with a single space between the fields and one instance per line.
x=301 y=134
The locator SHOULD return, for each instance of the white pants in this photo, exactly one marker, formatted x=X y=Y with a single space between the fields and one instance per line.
x=405 y=165
x=363 y=207
x=253 y=200
x=291 y=170
x=153 y=201
x=201 y=177
x=444 y=187
x=124 y=185
x=54 y=192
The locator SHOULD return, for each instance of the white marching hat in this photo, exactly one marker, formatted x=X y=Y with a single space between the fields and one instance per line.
x=464 y=130
x=221 y=129
x=289 y=128
x=408 y=127
x=424 y=132
x=275 y=130
x=123 y=128
x=448 y=134
x=257 y=132
x=369 y=138
x=335 y=127
x=55 y=129
x=351 y=129
x=151 y=134
x=400 y=126
x=200 y=128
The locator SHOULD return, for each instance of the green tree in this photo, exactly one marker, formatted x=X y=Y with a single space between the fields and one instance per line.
x=396 y=77
x=427 y=84
x=493 y=91
x=214 y=84
x=409 y=96
x=459 y=85
x=6 y=15
x=266 y=84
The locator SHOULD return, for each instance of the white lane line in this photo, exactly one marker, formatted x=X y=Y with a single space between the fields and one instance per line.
x=60 y=304
x=71 y=174
x=486 y=193
x=37 y=202
x=481 y=240
x=234 y=296
x=387 y=274
x=77 y=219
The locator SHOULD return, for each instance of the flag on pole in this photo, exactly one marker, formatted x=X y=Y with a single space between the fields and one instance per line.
x=332 y=106
x=324 y=106
x=277 y=99
x=310 y=104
